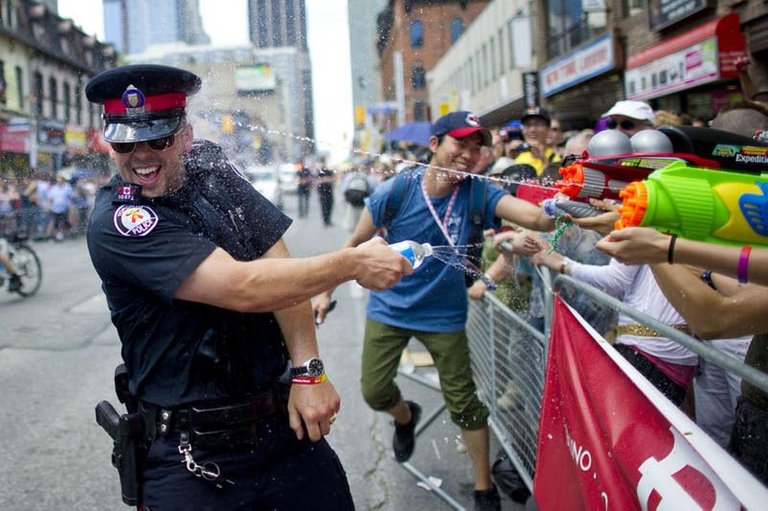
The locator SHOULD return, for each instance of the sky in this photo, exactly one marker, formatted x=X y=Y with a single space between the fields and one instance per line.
x=328 y=46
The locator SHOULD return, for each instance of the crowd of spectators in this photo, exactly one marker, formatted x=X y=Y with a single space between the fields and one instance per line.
x=46 y=206
x=532 y=151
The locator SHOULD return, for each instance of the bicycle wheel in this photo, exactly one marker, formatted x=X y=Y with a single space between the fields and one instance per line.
x=28 y=267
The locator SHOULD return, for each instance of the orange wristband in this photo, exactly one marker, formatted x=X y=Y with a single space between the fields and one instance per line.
x=309 y=380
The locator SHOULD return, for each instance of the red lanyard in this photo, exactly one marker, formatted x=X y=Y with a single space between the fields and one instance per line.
x=444 y=223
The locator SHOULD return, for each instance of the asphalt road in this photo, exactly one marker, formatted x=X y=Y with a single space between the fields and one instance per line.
x=58 y=351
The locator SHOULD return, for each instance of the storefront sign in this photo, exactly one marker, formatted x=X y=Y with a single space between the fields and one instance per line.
x=14 y=136
x=75 y=140
x=662 y=13
x=531 y=89
x=684 y=69
x=586 y=62
x=699 y=56
x=50 y=136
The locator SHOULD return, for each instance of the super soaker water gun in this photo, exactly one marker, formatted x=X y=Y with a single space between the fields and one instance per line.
x=718 y=206
x=613 y=160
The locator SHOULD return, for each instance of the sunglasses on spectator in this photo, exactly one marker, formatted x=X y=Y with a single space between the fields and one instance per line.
x=625 y=124
x=158 y=144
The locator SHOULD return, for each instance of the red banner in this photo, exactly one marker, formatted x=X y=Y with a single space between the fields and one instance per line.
x=13 y=139
x=609 y=440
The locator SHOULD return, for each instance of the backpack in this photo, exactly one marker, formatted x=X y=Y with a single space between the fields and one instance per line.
x=508 y=479
x=478 y=192
x=357 y=189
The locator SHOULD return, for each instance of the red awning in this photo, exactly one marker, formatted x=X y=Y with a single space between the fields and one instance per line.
x=96 y=141
x=727 y=29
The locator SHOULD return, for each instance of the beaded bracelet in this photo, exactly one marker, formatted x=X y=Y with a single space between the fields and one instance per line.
x=741 y=272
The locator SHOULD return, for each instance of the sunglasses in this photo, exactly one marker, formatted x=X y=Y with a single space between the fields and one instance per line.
x=158 y=144
x=626 y=124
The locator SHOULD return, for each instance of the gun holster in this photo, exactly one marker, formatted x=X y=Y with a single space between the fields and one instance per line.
x=128 y=436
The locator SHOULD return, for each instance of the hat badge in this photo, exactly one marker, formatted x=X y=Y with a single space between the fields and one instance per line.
x=133 y=99
x=472 y=120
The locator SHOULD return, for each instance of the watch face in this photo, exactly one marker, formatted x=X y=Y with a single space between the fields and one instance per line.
x=315 y=367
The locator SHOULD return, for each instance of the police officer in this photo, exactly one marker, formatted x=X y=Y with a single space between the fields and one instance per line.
x=210 y=309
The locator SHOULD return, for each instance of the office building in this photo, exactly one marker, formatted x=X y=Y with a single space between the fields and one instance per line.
x=131 y=25
x=278 y=23
x=283 y=24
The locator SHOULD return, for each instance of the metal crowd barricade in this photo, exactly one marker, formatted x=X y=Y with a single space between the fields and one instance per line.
x=509 y=359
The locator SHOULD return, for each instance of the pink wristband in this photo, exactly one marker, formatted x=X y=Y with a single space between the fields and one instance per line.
x=741 y=271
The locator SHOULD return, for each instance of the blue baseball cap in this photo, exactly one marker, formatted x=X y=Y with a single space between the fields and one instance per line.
x=460 y=125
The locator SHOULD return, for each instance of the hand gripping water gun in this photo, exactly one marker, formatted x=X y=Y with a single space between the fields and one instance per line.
x=719 y=206
x=613 y=160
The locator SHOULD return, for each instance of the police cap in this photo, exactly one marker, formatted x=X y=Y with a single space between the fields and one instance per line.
x=143 y=101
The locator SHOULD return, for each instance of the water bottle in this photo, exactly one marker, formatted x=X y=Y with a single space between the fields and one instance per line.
x=414 y=252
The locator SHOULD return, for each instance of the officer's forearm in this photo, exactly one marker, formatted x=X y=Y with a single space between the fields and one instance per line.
x=298 y=330
x=267 y=284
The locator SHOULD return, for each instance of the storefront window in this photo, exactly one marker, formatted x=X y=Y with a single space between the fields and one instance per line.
x=570 y=26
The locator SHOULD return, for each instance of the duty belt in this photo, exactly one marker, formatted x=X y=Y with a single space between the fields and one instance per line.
x=213 y=424
x=644 y=331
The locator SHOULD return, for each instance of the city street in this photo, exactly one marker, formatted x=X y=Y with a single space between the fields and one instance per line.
x=59 y=351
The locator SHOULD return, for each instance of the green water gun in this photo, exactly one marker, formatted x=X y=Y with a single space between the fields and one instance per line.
x=716 y=206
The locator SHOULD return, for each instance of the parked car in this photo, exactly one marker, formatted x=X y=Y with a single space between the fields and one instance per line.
x=265 y=181
x=288 y=176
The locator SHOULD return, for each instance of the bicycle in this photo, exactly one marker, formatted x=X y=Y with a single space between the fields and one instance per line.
x=25 y=261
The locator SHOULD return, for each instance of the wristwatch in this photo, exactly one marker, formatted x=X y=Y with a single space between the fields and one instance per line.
x=313 y=367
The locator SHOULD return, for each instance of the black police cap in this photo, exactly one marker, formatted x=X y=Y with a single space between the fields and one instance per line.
x=143 y=101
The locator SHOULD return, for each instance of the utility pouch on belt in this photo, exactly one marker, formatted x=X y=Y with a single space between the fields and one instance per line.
x=127 y=433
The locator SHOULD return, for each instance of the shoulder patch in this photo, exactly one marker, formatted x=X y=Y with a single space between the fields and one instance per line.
x=135 y=220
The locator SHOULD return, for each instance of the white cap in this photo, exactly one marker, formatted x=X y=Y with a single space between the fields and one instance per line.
x=639 y=110
x=501 y=164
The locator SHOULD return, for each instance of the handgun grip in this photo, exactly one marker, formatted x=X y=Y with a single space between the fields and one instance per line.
x=108 y=418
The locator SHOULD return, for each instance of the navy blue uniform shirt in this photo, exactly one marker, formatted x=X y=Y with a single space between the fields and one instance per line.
x=143 y=249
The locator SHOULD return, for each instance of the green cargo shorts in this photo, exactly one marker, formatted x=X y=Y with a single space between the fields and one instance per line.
x=383 y=346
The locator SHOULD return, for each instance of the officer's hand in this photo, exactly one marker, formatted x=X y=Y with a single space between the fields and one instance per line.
x=313 y=407
x=379 y=267
x=321 y=307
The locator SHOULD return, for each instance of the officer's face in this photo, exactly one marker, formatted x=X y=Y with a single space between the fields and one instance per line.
x=159 y=172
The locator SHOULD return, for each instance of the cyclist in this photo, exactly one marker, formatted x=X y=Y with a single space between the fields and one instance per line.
x=15 y=281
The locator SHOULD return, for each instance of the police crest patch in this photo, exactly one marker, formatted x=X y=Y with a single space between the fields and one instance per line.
x=133 y=99
x=135 y=220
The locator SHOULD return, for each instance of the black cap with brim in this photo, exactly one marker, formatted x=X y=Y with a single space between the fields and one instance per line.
x=142 y=102
x=537 y=112
x=143 y=130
